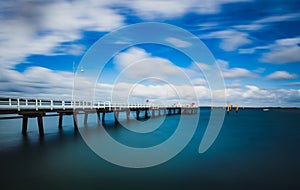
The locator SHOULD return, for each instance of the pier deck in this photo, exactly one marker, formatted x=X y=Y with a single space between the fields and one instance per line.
x=36 y=108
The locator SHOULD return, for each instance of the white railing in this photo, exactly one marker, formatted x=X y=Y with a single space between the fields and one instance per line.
x=30 y=104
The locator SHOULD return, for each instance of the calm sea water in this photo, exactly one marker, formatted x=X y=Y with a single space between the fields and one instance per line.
x=254 y=150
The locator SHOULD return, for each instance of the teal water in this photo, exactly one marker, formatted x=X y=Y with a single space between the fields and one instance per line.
x=254 y=150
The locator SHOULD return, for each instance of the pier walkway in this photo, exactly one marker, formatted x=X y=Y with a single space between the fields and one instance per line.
x=38 y=108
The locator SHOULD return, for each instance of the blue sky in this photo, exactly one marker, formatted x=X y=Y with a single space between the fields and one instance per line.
x=255 y=43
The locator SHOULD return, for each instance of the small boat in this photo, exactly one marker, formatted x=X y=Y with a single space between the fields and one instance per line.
x=265 y=109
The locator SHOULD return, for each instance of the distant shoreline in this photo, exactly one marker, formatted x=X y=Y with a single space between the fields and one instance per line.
x=246 y=107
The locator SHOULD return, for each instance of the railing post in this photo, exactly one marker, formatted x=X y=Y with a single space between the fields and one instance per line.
x=63 y=105
x=26 y=102
x=9 y=101
x=51 y=105
x=18 y=104
x=36 y=104
x=40 y=102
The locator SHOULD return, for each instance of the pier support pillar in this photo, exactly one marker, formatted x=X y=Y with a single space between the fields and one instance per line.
x=40 y=125
x=146 y=114
x=75 y=121
x=127 y=114
x=165 y=111
x=86 y=115
x=98 y=117
x=137 y=114
x=103 y=116
x=116 y=114
x=60 y=120
x=24 y=124
x=153 y=113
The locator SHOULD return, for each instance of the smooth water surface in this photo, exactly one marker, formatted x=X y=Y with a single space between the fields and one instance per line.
x=254 y=150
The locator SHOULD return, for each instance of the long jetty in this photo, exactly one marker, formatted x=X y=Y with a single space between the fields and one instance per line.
x=38 y=108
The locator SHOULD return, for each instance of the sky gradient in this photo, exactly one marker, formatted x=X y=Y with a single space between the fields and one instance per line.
x=255 y=43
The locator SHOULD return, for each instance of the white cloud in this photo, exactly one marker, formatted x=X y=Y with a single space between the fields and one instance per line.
x=227 y=72
x=230 y=39
x=78 y=15
x=31 y=27
x=178 y=42
x=207 y=25
x=252 y=95
x=162 y=93
x=40 y=82
x=175 y=8
x=254 y=92
x=234 y=85
x=236 y=72
x=288 y=41
x=199 y=82
x=264 y=22
x=152 y=67
x=37 y=82
x=137 y=64
x=288 y=97
x=158 y=8
x=247 y=51
x=46 y=28
x=292 y=84
x=203 y=66
x=249 y=27
x=244 y=95
x=130 y=56
x=73 y=49
x=279 y=18
x=281 y=75
x=41 y=28
x=283 y=51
